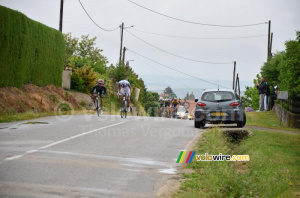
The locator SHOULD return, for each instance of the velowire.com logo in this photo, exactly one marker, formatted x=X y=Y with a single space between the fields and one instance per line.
x=187 y=157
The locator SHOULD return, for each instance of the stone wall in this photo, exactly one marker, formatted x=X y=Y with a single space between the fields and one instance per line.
x=288 y=118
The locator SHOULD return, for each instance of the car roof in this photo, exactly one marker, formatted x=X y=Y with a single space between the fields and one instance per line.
x=214 y=90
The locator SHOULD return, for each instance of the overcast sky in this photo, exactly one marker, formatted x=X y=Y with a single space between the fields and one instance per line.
x=250 y=53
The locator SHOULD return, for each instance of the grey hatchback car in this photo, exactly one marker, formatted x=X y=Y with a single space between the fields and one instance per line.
x=219 y=106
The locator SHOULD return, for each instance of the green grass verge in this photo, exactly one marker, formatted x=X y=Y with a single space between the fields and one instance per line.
x=267 y=119
x=273 y=169
x=23 y=116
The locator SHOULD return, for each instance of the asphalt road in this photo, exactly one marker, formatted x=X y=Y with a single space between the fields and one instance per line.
x=87 y=156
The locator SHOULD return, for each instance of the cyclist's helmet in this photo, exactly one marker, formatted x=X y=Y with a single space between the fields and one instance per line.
x=101 y=82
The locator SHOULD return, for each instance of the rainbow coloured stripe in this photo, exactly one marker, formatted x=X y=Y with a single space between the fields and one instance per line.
x=182 y=155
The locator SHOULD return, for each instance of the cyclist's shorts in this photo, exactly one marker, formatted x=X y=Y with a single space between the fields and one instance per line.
x=125 y=90
x=98 y=92
x=174 y=105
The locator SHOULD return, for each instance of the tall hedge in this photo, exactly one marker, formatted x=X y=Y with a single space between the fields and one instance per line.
x=30 y=52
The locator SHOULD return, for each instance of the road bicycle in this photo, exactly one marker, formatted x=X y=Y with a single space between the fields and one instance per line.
x=96 y=103
x=167 y=112
x=161 y=111
x=174 y=112
x=124 y=106
x=185 y=103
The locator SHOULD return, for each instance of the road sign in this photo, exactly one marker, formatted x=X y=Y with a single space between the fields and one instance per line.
x=283 y=95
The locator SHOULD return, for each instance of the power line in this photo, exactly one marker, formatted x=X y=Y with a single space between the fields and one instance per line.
x=166 y=75
x=184 y=86
x=94 y=21
x=175 y=69
x=217 y=63
x=197 y=23
x=199 y=38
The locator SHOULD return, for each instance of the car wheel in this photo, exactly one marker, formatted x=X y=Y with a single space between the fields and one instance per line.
x=242 y=123
x=199 y=124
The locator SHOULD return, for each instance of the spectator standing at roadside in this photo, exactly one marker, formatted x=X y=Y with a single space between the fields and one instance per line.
x=264 y=90
x=274 y=96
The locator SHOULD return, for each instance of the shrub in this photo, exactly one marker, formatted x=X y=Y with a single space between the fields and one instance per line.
x=84 y=79
x=30 y=52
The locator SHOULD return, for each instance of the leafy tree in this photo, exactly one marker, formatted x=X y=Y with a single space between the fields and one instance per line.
x=151 y=108
x=187 y=96
x=192 y=97
x=252 y=95
x=118 y=73
x=270 y=70
x=83 y=52
x=283 y=69
x=290 y=67
x=170 y=92
x=152 y=103
x=71 y=46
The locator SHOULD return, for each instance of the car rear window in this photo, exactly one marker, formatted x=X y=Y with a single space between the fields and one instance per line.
x=217 y=96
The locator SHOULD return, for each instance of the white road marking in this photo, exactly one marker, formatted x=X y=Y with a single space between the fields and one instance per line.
x=79 y=135
x=12 y=158
x=31 y=151
x=59 y=142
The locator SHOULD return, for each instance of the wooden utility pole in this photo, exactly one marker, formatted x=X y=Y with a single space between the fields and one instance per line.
x=270 y=50
x=123 y=60
x=233 y=75
x=236 y=82
x=61 y=15
x=122 y=28
x=269 y=39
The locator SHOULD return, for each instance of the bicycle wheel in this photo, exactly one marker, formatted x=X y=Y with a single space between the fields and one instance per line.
x=97 y=106
x=125 y=109
x=186 y=105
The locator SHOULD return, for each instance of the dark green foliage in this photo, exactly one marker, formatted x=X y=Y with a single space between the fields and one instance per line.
x=119 y=72
x=251 y=95
x=270 y=70
x=30 y=52
x=152 y=103
x=283 y=70
x=64 y=107
x=83 y=79
x=290 y=68
x=84 y=52
x=187 y=96
x=152 y=108
x=170 y=92
x=77 y=83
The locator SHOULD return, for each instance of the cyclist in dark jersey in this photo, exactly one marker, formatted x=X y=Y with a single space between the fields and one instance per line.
x=100 y=89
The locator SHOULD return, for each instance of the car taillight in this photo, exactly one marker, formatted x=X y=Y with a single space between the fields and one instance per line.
x=200 y=104
x=234 y=104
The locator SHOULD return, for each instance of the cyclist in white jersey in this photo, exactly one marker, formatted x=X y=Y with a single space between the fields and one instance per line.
x=124 y=87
